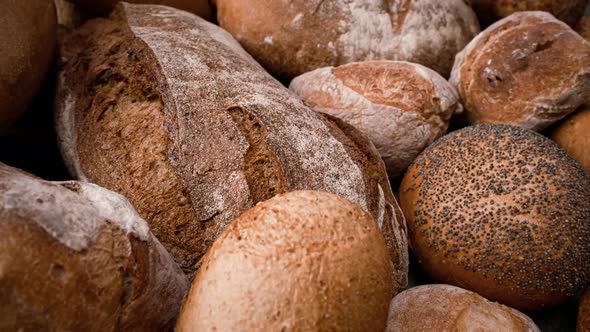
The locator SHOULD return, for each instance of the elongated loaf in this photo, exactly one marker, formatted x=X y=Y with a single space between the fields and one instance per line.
x=170 y=111
x=77 y=257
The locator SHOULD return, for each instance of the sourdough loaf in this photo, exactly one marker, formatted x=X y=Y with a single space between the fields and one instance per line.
x=27 y=35
x=290 y=38
x=77 y=257
x=169 y=110
x=528 y=69
x=402 y=107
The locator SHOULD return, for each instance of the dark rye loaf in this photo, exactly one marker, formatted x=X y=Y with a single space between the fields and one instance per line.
x=169 y=110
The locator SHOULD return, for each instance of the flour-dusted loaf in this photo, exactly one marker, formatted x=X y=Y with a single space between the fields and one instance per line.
x=202 y=8
x=489 y=11
x=402 y=107
x=502 y=211
x=528 y=69
x=169 y=110
x=300 y=261
x=290 y=38
x=445 y=308
x=77 y=257
x=27 y=34
x=573 y=135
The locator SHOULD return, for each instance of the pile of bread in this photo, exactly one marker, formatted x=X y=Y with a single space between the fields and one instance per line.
x=238 y=175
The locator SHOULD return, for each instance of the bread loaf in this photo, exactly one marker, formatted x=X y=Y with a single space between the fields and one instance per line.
x=501 y=211
x=202 y=8
x=77 y=257
x=489 y=11
x=444 y=308
x=528 y=69
x=27 y=36
x=169 y=110
x=573 y=135
x=402 y=107
x=290 y=38
x=302 y=261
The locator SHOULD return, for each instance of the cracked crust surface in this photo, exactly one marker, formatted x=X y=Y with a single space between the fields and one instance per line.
x=75 y=256
x=498 y=73
x=194 y=140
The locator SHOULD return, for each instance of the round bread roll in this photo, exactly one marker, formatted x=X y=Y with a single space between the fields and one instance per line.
x=202 y=8
x=27 y=35
x=301 y=261
x=573 y=135
x=445 y=308
x=402 y=107
x=489 y=11
x=583 y=323
x=77 y=257
x=498 y=75
x=193 y=140
x=290 y=38
x=502 y=211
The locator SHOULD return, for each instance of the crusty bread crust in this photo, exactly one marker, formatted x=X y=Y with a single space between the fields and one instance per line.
x=508 y=73
x=194 y=139
x=77 y=257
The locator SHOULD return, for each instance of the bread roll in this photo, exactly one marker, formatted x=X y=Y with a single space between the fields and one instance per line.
x=583 y=323
x=202 y=8
x=27 y=35
x=498 y=75
x=290 y=38
x=489 y=11
x=77 y=257
x=573 y=135
x=444 y=308
x=302 y=261
x=402 y=107
x=194 y=136
x=501 y=211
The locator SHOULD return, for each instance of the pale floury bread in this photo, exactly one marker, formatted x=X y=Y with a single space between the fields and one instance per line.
x=290 y=38
x=77 y=257
x=445 y=308
x=528 y=69
x=300 y=261
x=402 y=107
x=167 y=109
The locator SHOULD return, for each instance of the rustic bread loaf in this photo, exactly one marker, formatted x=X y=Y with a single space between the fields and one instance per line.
x=290 y=38
x=202 y=8
x=489 y=11
x=528 y=69
x=502 y=211
x=301 y=261
x=402 y=107
x=573 y=135
x=444 y=308
x=167 y=109
x=77 y=257
x=27 y=36
x=583 y=322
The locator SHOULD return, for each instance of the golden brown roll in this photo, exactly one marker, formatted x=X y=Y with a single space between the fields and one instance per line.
x=502 y=211
x=573 y=135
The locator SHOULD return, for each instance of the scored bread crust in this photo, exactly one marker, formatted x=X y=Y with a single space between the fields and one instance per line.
x=508 y=73
x=290 y=38
x=300 y=261
x=75 y=256
x=448 y=308
x=195 y=138
x=402 y=107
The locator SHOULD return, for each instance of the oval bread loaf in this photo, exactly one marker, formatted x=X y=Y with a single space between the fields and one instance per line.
x=502 y=211
x=169 y=110
x=28 y=36
x=528 y=69
x=301 y=261
x=445 y=308
x=402 y=107
x=77 y=257
x=290 y=38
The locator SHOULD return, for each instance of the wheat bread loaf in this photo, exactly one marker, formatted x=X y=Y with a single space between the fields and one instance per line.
x=169 y=110
x=77 y=257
